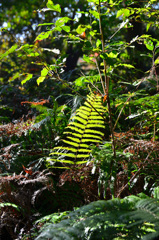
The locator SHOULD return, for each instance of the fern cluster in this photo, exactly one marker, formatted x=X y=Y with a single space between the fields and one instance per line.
x=84 y=129
x=134 y=217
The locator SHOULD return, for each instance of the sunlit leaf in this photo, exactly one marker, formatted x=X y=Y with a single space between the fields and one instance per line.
x=66 y=28
x=126 y=65
x=94 y=13
x=157 y=61
x=113 y=54
x=53 y=7
x=33 y=54
x=44 y=73
x=119 y=13
x=149 y=45
x=60 y=22
x=80 y=29
x=43 y=35
x=45 y=24
x=87 y=59
x=98 y=43
x=15 y=76
x=28 y=77
x=11 y=50
x=148 y=25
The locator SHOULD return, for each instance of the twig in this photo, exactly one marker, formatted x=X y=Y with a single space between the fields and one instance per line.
x=97 y=65
x=92 y=84
x=106 y=91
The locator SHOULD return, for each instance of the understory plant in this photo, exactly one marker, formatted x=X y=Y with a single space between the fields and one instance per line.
x=134 y=217
x=114 y=132
x=84 y=130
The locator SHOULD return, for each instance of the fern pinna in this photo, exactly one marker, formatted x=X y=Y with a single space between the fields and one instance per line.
x=84 y=129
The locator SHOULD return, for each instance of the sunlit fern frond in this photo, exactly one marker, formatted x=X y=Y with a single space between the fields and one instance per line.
x=84 y=129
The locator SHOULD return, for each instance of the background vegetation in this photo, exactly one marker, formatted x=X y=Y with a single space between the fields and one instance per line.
x=79 y=119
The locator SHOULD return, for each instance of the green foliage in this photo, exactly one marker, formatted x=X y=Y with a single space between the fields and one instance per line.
x=106 y=164
x=81 y=132
x=26 y=143
x=118 y=43
x=139 y=107
x=44 y=72
x=53 y=7
x=130 y=218
x=12 y=49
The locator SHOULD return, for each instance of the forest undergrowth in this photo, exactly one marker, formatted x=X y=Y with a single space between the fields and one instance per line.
x=79 y=122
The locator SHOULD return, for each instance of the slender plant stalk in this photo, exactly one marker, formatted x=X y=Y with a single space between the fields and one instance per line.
x=97 y=66
x=106 y=89
x=121 y=111
x=106 y=92
x=101 y=79
x=93 y=85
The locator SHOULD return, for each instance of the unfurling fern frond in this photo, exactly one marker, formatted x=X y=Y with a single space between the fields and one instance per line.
x=84 y=129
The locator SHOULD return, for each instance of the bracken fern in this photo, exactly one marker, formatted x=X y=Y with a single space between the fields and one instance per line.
x=129 y=218
x=84 y=129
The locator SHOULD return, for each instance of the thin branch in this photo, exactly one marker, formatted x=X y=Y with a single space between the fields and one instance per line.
x=104 y=62
x=121 y=112
x=92 y=84
x=106 y=91
x=97 y=64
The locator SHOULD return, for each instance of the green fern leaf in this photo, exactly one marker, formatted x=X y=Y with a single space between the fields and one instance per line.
x=77 y=125
x=129 y=218
x=83 y=130
x=75 y=129
x=77 y=140
x=95 y=126
x=72 y=149
x=94 y=131
x=81 y=120
x=71 y=143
